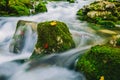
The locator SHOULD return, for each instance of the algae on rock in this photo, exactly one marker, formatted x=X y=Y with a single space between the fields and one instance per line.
x=105 y=13
x=20 y=7
x=53 y=37
x=101 y=60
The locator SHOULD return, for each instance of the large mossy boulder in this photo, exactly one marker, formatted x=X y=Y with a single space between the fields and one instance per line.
x=100 y=63
x=21 y=7
x=105 y=13
x=53 y=37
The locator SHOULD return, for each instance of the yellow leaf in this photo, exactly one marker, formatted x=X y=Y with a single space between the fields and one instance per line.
x=102 y=78
x=53 y=23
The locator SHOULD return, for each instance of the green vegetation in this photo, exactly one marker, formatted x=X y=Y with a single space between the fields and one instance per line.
x=105 y=13
x=53 y=37
x=118 y=42
x=71 y=1
x=40 y=8
x=101 y=61
x=107 y=24
x=20 y=7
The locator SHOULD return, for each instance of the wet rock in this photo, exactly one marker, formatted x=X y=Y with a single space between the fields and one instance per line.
x=101 y=5
x=100 y=62
x=105 y=13
x=115 y=41
x=53 y=37
x=40 y=8
x=21 y=34
x=108 y=32
x=93 y=14
x=20 y=7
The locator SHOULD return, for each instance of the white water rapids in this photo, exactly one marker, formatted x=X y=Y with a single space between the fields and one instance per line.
x=83 y=36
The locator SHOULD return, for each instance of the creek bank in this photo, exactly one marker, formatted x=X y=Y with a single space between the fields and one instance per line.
x=101 y=61
x=105 y=13
x=21 y=8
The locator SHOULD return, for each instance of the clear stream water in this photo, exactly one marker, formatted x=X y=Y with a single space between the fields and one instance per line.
x=52 y=67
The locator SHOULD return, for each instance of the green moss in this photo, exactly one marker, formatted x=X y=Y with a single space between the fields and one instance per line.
x=118 y=42
x=53 y=37
x=19 y=10
x=71 y=1
x=81 y=15
x=107 y=24
x=40 y=8
x=20 y=7
x=100 y=61
x=105 y=13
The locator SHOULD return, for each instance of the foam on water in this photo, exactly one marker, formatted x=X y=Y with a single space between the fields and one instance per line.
x=48 y=73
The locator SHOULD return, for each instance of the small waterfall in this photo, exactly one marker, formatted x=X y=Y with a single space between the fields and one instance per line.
x=53 y=66
x=6 y=30
x=48 y=73
x=23 y=36
x=65 y=59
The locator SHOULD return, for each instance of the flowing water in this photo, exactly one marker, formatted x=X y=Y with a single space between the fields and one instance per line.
x=52 y=67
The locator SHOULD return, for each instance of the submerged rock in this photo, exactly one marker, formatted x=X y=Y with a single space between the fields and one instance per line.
x=53 y=37
x=108 y=31
x=21 y=35
x=100 y=62
x=105 y=13
x=115 y=41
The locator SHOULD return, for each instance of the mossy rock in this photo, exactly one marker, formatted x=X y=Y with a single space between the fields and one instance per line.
x=118 y=42
x=41 y=7
x=14 y=8
x=101 y=61
x=115 y=41
x=105 y=13
x=20 y=7
x=18 y=10
x=53 y=37
x=107 y=24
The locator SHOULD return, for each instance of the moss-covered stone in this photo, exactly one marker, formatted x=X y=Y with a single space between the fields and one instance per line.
x=118 y=42
x=53 y=37
x=100 y=62
x=115 y=41
x=104 y=13
x=20 y=7
x=107 y=24
x=40 y=8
